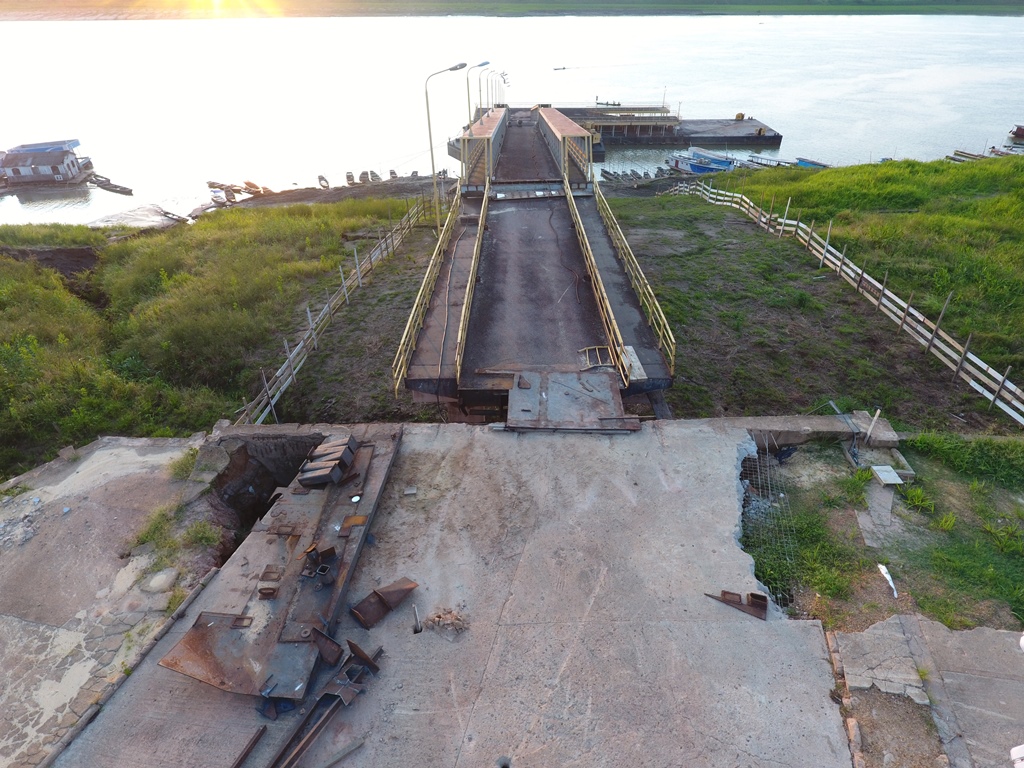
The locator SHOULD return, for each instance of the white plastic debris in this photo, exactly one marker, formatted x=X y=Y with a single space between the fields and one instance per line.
x=885 y=572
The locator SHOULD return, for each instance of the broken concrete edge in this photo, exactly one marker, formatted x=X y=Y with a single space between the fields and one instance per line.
x=94 y=708
x=70 y=455
x=853 y=734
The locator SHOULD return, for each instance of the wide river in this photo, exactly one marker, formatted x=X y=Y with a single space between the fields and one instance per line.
x=164 y=106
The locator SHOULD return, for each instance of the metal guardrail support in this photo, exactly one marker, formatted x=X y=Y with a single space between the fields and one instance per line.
x=407 y=344
x=611 y=328
x=460 y=344
x=652 y=309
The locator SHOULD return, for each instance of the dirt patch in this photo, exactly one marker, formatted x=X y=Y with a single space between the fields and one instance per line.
x=68 y=261
x=403 y=187
x=895 y=731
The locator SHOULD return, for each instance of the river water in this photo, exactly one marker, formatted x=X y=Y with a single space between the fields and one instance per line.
x=164 y=106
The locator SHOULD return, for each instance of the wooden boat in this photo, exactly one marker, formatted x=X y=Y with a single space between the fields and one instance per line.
x=1017 y=133
x=770 y=162
x=349 y=178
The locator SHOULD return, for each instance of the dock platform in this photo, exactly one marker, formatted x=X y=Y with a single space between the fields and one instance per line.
x=532 y=283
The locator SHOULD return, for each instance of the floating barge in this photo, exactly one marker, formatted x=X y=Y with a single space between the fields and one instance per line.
x=647 y=125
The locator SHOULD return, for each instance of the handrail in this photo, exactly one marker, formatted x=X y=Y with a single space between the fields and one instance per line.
x=460 y=344
x=604 y=307
x=655 y=316
x=407 y=344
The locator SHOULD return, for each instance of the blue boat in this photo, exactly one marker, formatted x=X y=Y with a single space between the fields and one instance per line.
x=726 y=162
x=803 y=162
x=681 y=161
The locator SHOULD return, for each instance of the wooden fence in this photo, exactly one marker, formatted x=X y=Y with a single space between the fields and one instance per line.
x=263 y=404
x=996 y=387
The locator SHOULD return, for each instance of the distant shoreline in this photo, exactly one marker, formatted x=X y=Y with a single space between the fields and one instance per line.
x=30 y=11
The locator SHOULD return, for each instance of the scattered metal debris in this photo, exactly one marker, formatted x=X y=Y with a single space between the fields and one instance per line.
x=379 y=603
x=249 y=746
x=756 y=604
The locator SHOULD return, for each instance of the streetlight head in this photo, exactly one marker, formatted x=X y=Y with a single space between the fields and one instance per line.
x=457 y=67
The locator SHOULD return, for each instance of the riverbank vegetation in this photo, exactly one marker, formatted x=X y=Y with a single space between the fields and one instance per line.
x=936 y=228
x=240 y=8
x=169 y=331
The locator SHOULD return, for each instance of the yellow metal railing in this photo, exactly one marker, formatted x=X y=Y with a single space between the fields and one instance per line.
x=651 y=307
x=460 y=345
x=615 y=343
x=407 y=345
x=577 y=153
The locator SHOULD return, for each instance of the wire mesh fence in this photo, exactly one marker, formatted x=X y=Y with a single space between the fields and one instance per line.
x=769 y=534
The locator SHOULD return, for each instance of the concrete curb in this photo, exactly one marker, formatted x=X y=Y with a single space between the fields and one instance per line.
x=852 y=726
x=94 y=709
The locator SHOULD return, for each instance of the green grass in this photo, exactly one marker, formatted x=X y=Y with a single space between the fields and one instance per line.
x=53 y=235
x=936 y=227
x=201 y=533
x=181 y=467
x=177 y=325
x=982 y=460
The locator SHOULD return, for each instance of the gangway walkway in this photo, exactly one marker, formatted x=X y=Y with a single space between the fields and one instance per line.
x=533 y=290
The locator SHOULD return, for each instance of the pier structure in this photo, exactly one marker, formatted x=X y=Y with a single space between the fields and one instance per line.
x=533 y=309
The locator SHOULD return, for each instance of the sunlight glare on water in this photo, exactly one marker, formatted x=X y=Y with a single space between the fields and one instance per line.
x=165 y=106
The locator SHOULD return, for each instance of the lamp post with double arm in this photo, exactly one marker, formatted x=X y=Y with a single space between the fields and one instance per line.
x=430 y=137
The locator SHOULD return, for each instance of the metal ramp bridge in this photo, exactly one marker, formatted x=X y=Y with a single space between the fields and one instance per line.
x=533 y=309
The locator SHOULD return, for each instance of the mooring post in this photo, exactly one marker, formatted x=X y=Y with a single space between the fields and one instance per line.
x=881 y=295
x=785 y=217
x=937 y=323
x=999 y=389
x=963 y=357
x=906 y=311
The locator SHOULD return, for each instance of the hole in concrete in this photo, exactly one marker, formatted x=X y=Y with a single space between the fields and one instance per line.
x=504 y=762
x=246 y=488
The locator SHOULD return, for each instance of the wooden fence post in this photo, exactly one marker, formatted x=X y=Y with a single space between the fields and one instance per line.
x=785 y=216
x=359 y=276
x=771 y=210
x=270 y=399
x=963 y=357
x=330 y=308
x=860 y=279
x=906 y=311
x=828 y=236
x=288 y=359
x=999 y=389
x=810 y=234
x=937 y=323
x=312 y=329
x=344 y=286
x=796 y=229
x=842 y=262
x=881 y=295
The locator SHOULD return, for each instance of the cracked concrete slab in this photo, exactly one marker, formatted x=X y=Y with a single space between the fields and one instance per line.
x=69 y=615
x=973 y=680
x=881 y=656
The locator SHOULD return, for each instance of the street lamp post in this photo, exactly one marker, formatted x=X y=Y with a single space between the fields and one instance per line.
x=479 y=91
x=469 y=108
x=430 y=137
